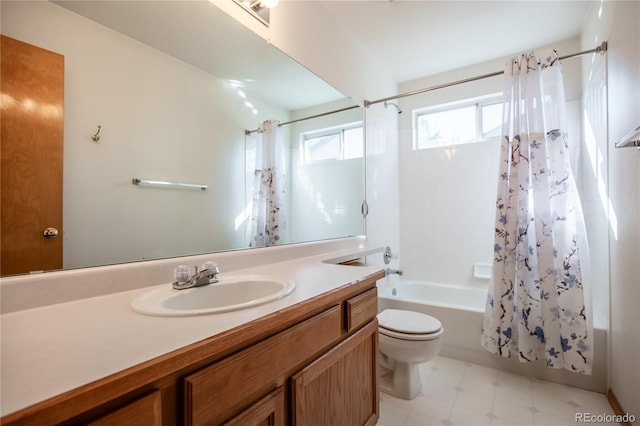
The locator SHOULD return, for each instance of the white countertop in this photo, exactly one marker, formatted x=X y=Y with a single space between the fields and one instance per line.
x=52 y=349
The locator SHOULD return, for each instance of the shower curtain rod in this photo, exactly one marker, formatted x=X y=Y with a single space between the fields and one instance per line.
x=601 y=49
x=248 y=132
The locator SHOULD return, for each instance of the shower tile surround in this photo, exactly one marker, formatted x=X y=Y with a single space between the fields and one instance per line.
x=461 y=393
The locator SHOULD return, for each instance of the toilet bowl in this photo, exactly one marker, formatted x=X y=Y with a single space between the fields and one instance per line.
x=406 y=340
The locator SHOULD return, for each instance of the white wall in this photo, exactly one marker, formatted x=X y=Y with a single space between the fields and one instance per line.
x=307 y=32
x=617 y=22
x=144 y=100
x=593 y=182
x=447 y=195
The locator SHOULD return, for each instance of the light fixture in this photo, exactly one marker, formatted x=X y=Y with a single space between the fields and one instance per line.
x=259 y=9
x=258 y=5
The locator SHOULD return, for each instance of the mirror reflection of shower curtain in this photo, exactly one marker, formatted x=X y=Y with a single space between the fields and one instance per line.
x=268 y=220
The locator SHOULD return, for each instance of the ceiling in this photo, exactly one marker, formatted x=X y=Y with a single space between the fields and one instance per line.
x=417 y=38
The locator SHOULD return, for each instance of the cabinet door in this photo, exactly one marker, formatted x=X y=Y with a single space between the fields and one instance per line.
x=341 y=387
x=269 y=411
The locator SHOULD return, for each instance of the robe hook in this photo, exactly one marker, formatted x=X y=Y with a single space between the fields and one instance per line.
x=96 y=137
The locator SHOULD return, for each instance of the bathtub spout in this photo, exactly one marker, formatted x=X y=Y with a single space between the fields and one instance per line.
x=390 y=271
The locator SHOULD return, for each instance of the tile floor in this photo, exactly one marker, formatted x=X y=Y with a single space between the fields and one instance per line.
x=461 y=393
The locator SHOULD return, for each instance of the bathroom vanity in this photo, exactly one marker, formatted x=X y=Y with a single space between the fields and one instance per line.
x=310 y=360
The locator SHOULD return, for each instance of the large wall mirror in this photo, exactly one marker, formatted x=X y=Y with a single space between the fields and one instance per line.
x=173 y=86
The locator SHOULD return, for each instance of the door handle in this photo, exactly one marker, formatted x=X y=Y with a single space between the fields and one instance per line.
x=50 y=232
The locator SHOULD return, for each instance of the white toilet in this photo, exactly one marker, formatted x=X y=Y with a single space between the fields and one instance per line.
x=407 y=339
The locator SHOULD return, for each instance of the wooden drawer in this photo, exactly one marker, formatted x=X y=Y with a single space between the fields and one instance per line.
x=222 y=390
x=143 y=411
x=361 y=309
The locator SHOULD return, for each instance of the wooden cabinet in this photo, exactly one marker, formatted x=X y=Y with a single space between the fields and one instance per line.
x=141 y=412
x=340 y=387
x=269 y=411
x=215 y=393
x=314 y=363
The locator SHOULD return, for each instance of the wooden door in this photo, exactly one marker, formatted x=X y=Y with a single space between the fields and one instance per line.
x=341 y=387
x=31 y=117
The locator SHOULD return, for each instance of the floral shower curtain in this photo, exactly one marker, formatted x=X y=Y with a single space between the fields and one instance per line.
x=267 y=212
x=535 y=306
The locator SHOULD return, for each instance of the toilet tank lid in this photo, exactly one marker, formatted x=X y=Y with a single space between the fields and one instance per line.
x=408 y=321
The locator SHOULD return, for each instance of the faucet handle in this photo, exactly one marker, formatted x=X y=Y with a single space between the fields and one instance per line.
x=213 y=271
x=212 y=266
x=182 y=274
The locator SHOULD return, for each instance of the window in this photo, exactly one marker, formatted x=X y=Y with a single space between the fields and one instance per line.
x=320 y=148
x=464 y=122
x=491 y=116
x=341 y=143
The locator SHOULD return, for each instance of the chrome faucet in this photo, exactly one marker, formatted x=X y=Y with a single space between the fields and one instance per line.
x=206 y=275
x=390 y=271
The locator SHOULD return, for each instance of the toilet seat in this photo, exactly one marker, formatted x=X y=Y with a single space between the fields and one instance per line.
x=408 y=325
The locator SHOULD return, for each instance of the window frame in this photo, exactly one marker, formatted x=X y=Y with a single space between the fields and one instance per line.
x=328 y=131
x=478 y=102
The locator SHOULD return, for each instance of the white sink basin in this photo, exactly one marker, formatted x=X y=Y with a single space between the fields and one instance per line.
x=231 y=293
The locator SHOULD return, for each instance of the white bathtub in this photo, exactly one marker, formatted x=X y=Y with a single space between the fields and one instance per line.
x=460 y=310
x=438 y=295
